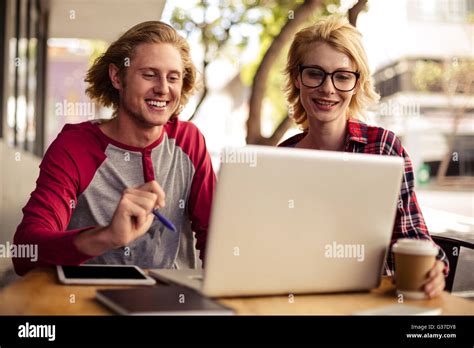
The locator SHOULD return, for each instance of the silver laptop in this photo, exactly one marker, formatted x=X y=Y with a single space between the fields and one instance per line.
x=287 y=221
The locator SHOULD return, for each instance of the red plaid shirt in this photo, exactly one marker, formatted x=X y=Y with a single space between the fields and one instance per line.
x=409 y=222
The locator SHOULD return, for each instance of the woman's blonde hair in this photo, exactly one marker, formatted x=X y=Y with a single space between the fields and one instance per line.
x=342 y=36
x=120 y=53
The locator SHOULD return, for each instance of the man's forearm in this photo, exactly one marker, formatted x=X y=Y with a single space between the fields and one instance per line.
x=94 y=242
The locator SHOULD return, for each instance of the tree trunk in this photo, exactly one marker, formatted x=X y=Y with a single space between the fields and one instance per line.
x=254 y=135
x=355 y=10
x=203 y=96
x=205 y=63
x=279 y=132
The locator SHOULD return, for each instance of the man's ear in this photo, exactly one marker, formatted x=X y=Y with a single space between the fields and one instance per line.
x=114 y=76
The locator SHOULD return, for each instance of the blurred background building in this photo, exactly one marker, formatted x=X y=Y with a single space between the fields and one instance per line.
x=422 y=55
x=424 y=41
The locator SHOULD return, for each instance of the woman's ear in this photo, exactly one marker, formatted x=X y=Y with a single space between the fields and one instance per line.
x=356 y=88
x=114 y=76
x=297 y=82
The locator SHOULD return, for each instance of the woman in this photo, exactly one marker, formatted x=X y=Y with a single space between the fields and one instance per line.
x=328 y=85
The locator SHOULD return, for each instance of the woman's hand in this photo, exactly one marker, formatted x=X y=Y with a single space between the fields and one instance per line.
x=435 y=284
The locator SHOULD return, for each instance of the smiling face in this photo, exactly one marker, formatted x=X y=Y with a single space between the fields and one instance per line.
x=325 y=103
x=150 y=90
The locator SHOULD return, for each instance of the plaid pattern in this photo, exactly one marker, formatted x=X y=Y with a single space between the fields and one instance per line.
x=409 y=222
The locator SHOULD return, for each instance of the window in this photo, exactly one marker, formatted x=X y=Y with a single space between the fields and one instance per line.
x=25 y=75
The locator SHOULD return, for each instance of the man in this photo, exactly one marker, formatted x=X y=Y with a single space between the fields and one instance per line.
x=100 y=181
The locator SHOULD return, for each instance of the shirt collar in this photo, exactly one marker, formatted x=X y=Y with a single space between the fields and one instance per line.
x=357 y=131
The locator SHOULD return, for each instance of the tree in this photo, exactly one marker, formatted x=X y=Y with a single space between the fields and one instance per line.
x=216 y=22
x=298 y=17
x=295 y=20
x=353 y=12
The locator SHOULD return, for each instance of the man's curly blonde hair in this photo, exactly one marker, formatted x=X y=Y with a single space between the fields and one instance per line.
x=342 y=36
x=121 y=52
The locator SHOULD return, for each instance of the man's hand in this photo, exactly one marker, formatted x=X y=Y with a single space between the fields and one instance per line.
x=435 y=283
x=132 y=218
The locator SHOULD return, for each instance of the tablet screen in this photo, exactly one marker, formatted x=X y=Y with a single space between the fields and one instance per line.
x=102 y=272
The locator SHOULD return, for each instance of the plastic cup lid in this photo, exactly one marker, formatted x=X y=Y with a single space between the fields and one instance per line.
x=415 y=247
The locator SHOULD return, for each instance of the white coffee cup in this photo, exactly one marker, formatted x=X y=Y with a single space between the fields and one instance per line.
x=414 y=258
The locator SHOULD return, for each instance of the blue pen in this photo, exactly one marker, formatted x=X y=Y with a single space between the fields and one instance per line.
x=168 y=224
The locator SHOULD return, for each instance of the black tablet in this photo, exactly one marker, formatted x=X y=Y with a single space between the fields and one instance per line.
x=103 y=274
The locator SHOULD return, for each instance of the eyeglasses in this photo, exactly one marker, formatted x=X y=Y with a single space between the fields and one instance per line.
x=342 y=80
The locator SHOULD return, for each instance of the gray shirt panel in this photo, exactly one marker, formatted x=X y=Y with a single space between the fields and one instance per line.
x=159 y=247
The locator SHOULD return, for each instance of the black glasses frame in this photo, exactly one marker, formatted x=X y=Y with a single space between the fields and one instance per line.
x=326 y=74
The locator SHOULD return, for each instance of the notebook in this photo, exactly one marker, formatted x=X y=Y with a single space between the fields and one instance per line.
x=161 y=300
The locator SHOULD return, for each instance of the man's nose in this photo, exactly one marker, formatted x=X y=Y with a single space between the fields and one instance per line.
x=161 y=86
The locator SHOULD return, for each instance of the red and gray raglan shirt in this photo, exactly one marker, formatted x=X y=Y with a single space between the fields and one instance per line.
x=82 y=177
x=409 y=221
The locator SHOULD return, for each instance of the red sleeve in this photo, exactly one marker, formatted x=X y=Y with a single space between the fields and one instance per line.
x=409 y=221
x=203 y=183
x=49 y=209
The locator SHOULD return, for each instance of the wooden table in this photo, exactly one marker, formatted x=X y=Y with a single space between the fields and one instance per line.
x=40 y=293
